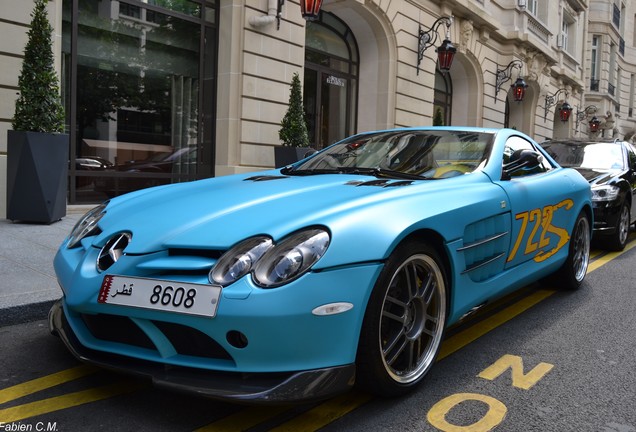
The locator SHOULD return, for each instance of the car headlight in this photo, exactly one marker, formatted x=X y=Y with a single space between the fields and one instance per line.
x=291 y=258
x=86 y=226
x=239 y=260
x=605 y=193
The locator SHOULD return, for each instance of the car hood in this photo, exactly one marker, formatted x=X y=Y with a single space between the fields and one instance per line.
x=598 y=177
x=217 y=213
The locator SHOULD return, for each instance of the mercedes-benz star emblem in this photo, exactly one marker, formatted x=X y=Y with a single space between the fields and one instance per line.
x=112 y=251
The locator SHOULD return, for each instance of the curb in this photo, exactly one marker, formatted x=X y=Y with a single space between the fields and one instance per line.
x=23 y=314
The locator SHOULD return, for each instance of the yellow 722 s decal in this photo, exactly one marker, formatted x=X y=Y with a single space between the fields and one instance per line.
x=541 y=221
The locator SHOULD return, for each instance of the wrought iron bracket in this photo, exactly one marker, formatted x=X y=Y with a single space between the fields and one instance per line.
x=428 y=37
x=505 y=74
x=551 y=100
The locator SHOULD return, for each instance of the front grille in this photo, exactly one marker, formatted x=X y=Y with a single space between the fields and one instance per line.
x=191 y=342
x=114 y=328
x=186 y=340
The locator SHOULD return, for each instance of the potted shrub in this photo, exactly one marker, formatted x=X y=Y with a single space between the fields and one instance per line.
x=293 y=132
x=37 y=151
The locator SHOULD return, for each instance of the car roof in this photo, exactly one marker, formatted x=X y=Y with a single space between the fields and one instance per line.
x=580 y=141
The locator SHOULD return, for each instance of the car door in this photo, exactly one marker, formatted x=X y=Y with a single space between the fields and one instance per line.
x=539 y=206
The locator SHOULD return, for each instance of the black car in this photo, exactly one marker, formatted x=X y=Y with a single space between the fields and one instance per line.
x=610 y=167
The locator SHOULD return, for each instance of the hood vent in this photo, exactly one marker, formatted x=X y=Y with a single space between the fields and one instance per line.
x=380 y=183
x=265 y=178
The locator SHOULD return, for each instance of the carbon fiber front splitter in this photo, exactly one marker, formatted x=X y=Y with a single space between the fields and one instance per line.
x=252 y=388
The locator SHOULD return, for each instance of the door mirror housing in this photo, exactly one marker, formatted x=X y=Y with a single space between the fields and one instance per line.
x=521 y=160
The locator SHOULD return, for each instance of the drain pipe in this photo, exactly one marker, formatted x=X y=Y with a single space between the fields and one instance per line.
x=274 y=8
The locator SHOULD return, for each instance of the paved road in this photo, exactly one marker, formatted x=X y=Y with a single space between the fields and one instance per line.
x=542 y=360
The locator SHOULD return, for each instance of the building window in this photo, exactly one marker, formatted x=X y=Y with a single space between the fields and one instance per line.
x=539 y=9
x=565 y=30
x=616 y=16
x=130 y=10
x=568 y=34
x=632 y=89
x=595 y=63
x=443 y=99
x=612 y=70
x=144 y=113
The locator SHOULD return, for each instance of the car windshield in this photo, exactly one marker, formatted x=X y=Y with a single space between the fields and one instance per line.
x=600 y=156
x=413 y=154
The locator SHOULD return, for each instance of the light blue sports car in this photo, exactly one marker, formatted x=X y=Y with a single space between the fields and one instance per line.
x=345 y=268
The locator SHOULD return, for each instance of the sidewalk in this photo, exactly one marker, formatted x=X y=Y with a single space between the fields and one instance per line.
x=28 y=285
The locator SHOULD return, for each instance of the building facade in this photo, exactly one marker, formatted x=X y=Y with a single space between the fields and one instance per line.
x=160 y=91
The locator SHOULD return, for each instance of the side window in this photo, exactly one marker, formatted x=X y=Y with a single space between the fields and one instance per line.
x=515 y=144
x=631 y=154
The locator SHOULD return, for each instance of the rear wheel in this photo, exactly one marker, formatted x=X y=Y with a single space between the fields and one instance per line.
x=404 y=321
x=572 y=273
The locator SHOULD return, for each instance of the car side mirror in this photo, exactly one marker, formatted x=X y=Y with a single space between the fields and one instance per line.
x=521 y=159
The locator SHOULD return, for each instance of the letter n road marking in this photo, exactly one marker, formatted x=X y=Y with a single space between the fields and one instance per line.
x=515 y=364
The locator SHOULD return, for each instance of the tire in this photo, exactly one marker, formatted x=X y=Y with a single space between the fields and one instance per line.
x=404 y=322
x=618 y=240
x=572 y=273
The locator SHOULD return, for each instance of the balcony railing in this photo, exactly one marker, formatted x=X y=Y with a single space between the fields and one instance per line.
x=594 y=84
x=611 y=89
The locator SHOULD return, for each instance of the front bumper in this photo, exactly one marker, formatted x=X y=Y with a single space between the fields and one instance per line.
x=606 y=217
x=261 y=388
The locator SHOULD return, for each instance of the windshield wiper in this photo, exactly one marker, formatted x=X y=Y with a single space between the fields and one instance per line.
x=382 y=173
x=375 y=172
x=307 y=172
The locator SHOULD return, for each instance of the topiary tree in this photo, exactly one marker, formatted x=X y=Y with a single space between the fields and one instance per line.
x=293 y=131
x=39 y=107
x=438 y=118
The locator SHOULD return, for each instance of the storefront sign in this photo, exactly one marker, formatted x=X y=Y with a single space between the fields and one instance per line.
x=340 y=82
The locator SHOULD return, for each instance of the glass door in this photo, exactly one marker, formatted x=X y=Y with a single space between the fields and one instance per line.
x=326 y=107
x=330 y=80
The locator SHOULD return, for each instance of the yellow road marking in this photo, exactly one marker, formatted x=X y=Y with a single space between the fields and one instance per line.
x=244 y=419
x=460 y=340
x=325 y=413
x=32 y=409
x=601 y=261
x=36 y=385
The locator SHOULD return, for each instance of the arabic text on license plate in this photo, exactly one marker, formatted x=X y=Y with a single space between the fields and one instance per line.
x=179 y=297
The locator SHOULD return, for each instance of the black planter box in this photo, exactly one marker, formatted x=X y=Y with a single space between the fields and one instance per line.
x=37 y=176
x=284 y=156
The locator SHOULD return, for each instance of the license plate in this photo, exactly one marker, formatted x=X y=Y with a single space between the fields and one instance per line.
x=171 y=296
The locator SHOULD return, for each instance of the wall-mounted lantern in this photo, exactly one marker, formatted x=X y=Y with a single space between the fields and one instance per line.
x=551 y=100
x=594 y=124
x=519 y=89
x=564 y=111
x=505 y=74
x=584 y=113
x=310 y=9
x=428 y=37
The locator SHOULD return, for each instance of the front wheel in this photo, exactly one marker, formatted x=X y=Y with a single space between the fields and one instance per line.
x=404 y=321
x=619 y=239
x=573 y=271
